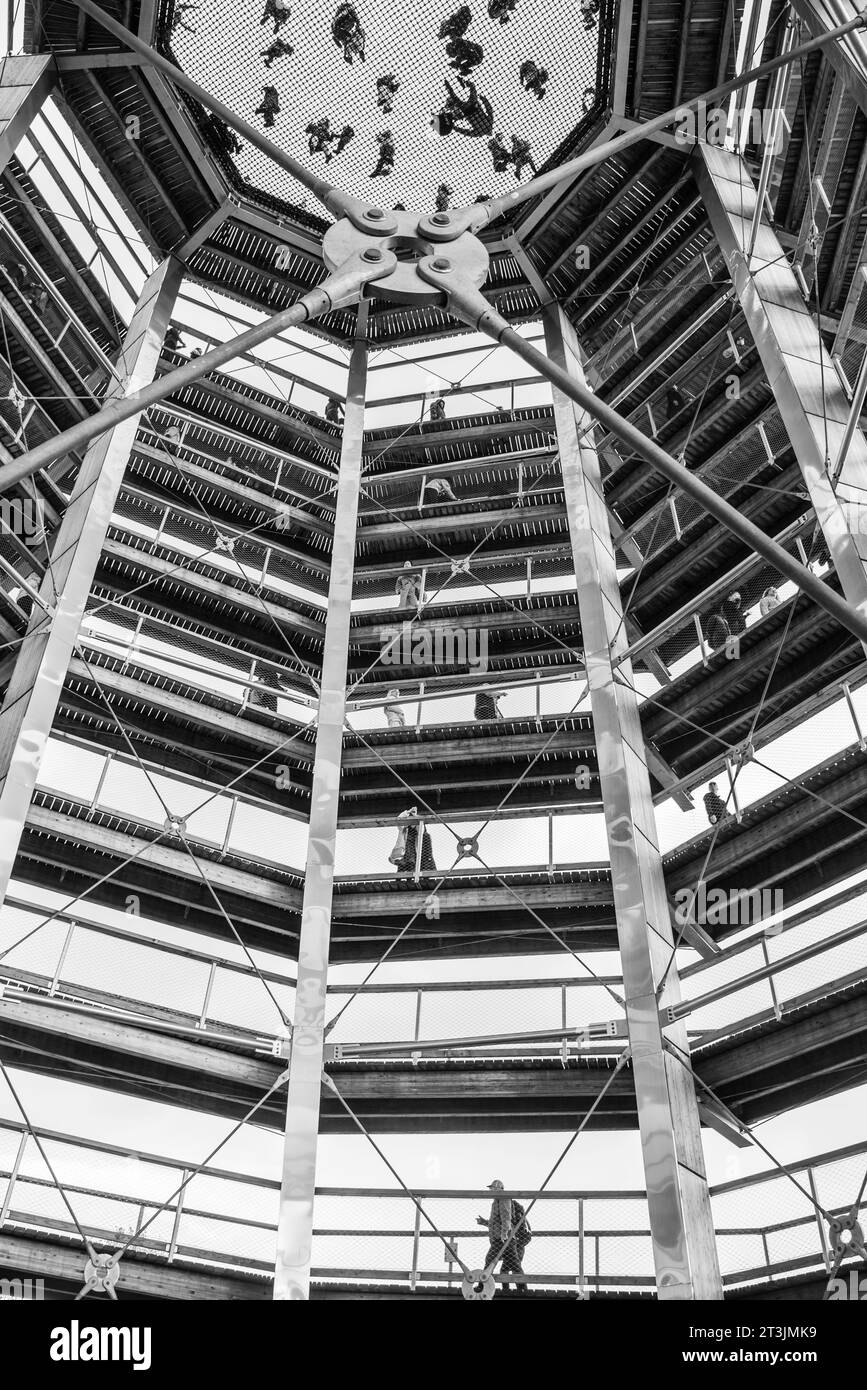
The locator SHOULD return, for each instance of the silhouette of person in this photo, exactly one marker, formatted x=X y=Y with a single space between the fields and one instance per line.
x=403 y=856
x=464 y=55
x=769 y=601
x=486 y=704
x=438 y=490
x=347 y=32
x=470 y=115
x=279 y=11
x=269 y=107
x=387 y=88
x=394 y=715
x=278 y=49
x=408 y=587
x=733 y=613
x=714 y=805
x=518 y=157
x=533 y=78
x=589 y=11
x=385 y=162
x=320 y=138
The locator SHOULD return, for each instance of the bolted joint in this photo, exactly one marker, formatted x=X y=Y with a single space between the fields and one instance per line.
x=175 y=825
x=468 y=848
x=102 y=1273
x=361 y=215
x=845 y=1235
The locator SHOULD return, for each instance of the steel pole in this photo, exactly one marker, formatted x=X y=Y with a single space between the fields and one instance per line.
x=809 y=395
x=36 y=682
x=468 y=304
x=338 y=290
x=684 y=1249
x=295 y=1221
x=473 y=219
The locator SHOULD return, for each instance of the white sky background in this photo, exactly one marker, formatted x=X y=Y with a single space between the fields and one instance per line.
x=599 y=1160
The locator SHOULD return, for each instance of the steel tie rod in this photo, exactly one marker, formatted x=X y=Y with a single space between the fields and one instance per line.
x=339 y=289
x=447 y=225
x=468 y=304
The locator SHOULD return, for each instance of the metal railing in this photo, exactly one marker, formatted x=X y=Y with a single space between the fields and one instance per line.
x=586 y=1241
x=772 y=971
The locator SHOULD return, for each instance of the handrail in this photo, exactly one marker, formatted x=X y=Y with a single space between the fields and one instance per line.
x=748 y=1263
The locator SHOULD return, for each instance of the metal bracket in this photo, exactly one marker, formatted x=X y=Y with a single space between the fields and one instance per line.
x=101 y=1273
x=846 y=1237
x=405 y=283
x=743 y=755
x=175 y=825
x=478 y=1284
x=468 y=848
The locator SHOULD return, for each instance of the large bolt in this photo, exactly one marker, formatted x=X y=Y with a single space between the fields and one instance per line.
x=440 y=219
x=371 y=254
x=440 y=264
x=375 y=214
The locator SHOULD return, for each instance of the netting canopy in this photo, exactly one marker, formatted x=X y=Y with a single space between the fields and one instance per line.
x=421 y=102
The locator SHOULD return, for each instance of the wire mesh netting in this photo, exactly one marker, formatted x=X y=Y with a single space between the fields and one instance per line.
x=408 y=112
